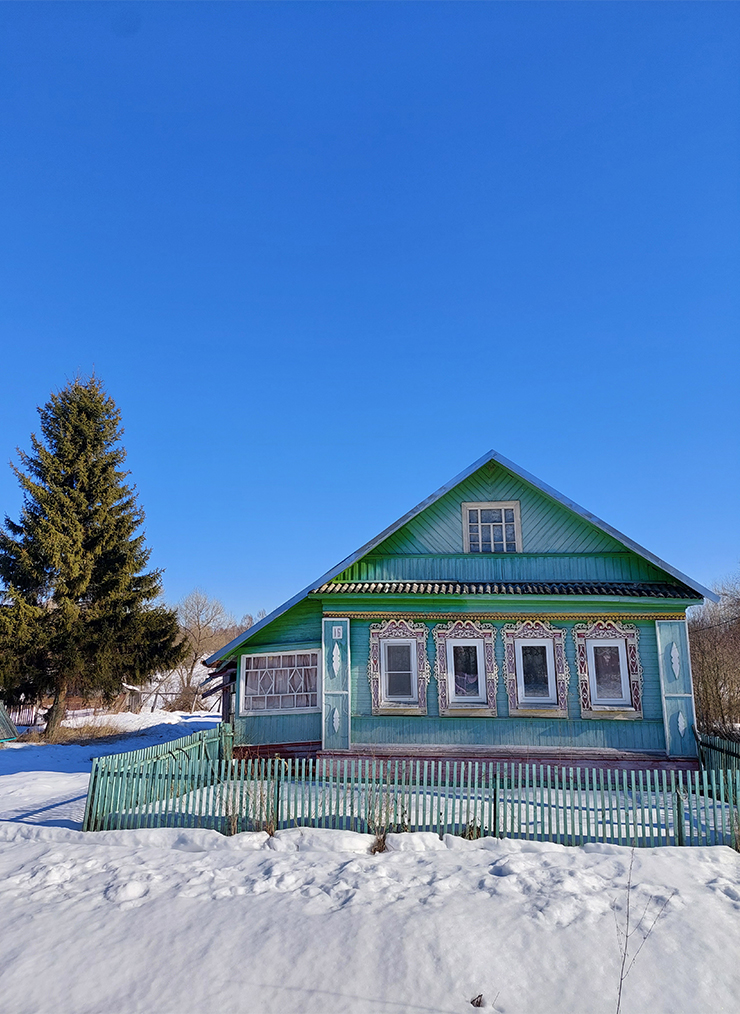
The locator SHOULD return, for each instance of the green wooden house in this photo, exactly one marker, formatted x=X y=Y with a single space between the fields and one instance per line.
x=496 y=616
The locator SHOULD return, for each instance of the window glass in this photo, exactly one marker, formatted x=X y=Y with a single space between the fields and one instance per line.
x=491 y=529
x=607 y=672
x=465 y=662
x=534 y=671
x=281 y=682
x=399 y=672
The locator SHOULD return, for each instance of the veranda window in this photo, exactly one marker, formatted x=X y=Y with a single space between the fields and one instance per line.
x=281 y=682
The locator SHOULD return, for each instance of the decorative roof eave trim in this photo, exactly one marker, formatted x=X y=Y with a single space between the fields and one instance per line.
x=391 y=529
x=508 y=596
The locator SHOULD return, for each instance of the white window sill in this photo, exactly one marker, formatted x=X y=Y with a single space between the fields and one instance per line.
x=612 y=711
x=540 y=711
x=471 y=710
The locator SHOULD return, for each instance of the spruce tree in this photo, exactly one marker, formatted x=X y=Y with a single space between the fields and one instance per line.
x=80 y=610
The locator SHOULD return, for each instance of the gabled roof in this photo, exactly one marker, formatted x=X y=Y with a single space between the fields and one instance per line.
x=386 y=533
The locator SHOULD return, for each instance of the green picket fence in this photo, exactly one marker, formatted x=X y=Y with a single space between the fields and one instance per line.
x=716 y=753
x=193 y=788
x=158 y=773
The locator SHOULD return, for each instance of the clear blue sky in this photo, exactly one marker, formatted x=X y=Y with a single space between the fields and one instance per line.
x=324 y=256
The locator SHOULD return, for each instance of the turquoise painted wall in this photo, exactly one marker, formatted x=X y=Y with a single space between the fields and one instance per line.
x=645 y=734
x=504 y=567
x=278 y=729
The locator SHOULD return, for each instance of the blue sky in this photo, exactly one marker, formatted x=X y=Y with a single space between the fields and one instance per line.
x=324 y=256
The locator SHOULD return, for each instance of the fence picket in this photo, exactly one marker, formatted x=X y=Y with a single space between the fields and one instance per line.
x=193 y=782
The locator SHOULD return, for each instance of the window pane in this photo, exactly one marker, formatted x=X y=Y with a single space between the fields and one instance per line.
x=509 y=516
x=398 y=658
x=399 y=684
x=510 y=534
x=511 y=547
x=281 y=681
x=491 y=516
x=534 y=670
x=296 y=681
x=465 y=662
x=473 y=530
x=608 y=672
x=473 y=517
x=273 y=703
x=474 y=546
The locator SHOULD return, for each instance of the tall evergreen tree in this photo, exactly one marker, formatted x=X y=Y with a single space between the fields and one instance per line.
x=80 y=609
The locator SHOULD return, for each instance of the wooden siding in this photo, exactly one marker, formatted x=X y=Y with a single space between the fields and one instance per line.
x=400 y=732
x=504 y=567
x=299 y=625
x=645 y=734
x=547 y=526
x=261 y=729
x=519 y=605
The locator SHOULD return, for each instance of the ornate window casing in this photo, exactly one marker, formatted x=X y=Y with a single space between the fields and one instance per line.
x=536 y=633
x=589 y=638
x=466 y=634
x=383 y=635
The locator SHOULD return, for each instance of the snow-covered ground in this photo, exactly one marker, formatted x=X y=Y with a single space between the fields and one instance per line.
x=190 y=921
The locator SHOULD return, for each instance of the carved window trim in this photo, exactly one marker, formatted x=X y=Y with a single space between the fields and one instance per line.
x=535 y=630
x=602 y=630
x=404 y=630
x=462 y=630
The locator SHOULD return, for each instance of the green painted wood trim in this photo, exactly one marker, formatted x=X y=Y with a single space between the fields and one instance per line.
x=279 y=648
x=495 y=605
x=505 y=567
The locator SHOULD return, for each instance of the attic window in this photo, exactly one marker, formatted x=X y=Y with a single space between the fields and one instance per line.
x=492 y=527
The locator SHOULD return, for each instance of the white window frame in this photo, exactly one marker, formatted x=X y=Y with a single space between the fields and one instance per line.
x=608 y=702
x=412 y=644
x=536 y=642
x=243 y=712
x=514 y=505
x=451 y=644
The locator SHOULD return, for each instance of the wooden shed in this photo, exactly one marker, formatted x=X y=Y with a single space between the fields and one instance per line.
x=497 y=616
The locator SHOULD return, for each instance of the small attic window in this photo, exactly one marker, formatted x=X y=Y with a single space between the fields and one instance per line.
x=492 y=527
